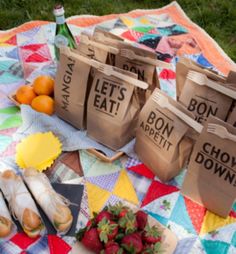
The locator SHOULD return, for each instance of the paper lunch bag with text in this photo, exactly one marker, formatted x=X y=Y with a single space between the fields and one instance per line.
x=211 y=174
x=94 y=50
x=145 y=69
x=231 y=80
x=112 y=111
x=204 y=101
x=184 y=65
x=232 y=117
x=71 y=88
x=162 y=140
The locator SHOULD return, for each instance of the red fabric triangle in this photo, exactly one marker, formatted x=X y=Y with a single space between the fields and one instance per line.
x=232 y=214
x=12 y=40
x=57 y=245
x=196 y=213
x=35 y=57
x=141 y=169
x=156 y=190
x=22 y=240
x=167 y=74
x=33 y=47
x=132 y=35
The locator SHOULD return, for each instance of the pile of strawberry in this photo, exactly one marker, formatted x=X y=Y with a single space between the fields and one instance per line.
x=118 y=230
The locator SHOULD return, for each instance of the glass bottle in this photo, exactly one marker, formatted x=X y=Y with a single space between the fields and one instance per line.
x=63 y=35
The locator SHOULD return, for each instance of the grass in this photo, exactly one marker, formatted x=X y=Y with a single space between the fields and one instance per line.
x=217 y=17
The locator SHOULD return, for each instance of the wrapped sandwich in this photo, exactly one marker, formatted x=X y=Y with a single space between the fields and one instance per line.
x=54 y=205
x=6 y=224
x=21 y=203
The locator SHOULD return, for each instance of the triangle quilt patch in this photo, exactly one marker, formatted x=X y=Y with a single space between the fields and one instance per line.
x=97 y=197
x=196 y=213
x=156 y=190
x=105 y=181
x=142 y=170
x=164 y=205
x=180 y=216
x=124 y=188
x=212 y=222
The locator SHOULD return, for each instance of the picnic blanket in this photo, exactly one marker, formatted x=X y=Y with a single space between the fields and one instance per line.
x=28 y=50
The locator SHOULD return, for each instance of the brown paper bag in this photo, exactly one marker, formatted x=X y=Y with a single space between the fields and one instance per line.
x=211 y=174
x=91 y=51
x=232 y=117
x=71 y=88
x=112 y=110
x=162 y=141
x=106 y=37
x=145 y=70
x=184 y=65
x=204 y=101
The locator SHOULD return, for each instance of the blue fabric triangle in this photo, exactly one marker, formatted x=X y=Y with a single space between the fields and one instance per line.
x=180 y=215
x=203 y=61
x=113 y=199
x=32 y=32
x=233 y=241
x=215 y=247
x=180 y=178
x=13 y=54
x=5 y=141
x=41 y=246
x=185 y=245
x=106 y=182
x=234 y=207
x=161 y=219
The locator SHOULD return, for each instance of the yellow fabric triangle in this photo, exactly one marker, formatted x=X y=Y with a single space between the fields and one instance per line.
x=5 y=45
x=4 y=39
x=212 y=222
x=124 y=188
x=127 y=21
x=144 y=21
x=97 y=197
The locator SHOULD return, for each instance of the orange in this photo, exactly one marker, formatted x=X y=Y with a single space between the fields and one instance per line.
x=25 y=94
x=43 y=85
x=43 y=104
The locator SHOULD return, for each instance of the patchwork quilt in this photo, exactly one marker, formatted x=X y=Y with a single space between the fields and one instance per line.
x=28 y=50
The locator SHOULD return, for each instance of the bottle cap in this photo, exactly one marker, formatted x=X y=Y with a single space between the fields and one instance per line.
x=58 y=10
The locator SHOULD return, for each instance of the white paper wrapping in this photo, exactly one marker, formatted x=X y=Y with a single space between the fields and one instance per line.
x=3 y=208
x=46 y=196
x=18 y=197
x=5 y=213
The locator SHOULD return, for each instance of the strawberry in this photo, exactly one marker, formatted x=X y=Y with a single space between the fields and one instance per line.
x=118 y=210
x=103 y=214
x=132 y=243
x=113 y=248
x=123 y=212
x=141 y=218
x=128 y=222
x=91 y=240
x=153 y=249
x=107 y=230
x=151 y=234
x=89 y=223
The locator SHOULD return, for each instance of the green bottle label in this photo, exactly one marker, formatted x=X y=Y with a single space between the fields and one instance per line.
x=61 y=40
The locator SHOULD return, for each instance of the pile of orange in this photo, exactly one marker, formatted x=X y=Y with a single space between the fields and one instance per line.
x=39 y=95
